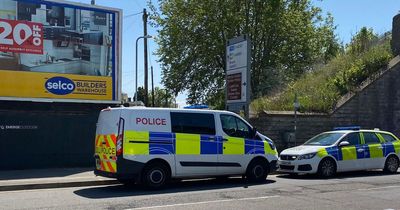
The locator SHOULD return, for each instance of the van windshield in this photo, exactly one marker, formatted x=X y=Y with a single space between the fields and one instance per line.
x=324 y=139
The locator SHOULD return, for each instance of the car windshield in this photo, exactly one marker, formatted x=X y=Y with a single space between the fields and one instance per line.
x=324 y=139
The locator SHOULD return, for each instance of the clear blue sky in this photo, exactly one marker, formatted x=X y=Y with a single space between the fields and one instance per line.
x=349 y=16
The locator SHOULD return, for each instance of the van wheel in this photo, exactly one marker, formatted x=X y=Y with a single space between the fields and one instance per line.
x=327 y=168
x=155 y=175
x=391 y=164
x=257 y=171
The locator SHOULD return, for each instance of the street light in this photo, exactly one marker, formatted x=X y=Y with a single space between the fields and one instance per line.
x=141 y=37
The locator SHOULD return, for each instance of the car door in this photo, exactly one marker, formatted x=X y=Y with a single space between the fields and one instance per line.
x=238 y=147
x=352 y=154
x=374 y=157
x=196 y=146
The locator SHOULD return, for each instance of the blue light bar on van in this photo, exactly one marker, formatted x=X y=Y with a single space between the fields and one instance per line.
x=347 y=128
x=197 y=106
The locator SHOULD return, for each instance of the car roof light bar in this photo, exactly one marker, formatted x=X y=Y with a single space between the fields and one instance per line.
x=355 y=128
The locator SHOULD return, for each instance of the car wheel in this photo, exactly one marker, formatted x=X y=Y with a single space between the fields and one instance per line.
x=327 y=168
x=257 y=171
x=391 y=164
x=155 y=176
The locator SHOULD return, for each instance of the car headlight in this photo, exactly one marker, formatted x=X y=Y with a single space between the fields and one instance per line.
x=307 y=156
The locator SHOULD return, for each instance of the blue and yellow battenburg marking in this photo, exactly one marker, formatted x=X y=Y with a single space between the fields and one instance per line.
x=354 y=152
x=164 y=143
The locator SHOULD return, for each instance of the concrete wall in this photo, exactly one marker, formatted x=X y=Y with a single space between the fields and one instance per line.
x=376 y=104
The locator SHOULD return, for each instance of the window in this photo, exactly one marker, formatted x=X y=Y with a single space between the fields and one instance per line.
x=388 y=137
x=235 y=127
x=324 y=139
x=195 y=123
x=371 y=138
x=352 y=138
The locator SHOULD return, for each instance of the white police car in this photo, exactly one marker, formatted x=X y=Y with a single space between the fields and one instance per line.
x=344 y=149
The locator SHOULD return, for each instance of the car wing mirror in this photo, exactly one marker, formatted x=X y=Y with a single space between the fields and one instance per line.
x=344 y=143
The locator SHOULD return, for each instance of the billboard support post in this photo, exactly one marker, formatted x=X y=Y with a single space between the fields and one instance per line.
x=237 y=77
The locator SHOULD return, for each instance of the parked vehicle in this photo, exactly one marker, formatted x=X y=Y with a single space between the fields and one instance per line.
x=346 y=149
x=152 y=145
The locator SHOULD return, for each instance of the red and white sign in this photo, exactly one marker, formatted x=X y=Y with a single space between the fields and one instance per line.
x=21 y=36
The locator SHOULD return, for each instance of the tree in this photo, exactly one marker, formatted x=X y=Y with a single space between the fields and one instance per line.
x=362 y=41
x=288 y=37
x=140 y=94
x=162 y=97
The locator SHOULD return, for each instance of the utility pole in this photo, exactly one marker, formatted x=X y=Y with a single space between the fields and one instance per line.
x=152 y=87
x=146 y=72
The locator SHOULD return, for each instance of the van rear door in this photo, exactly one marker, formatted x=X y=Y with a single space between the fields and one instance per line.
x=106 y=140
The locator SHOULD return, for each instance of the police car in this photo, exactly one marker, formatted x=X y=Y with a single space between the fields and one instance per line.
x=344 y=149
x=152 y=145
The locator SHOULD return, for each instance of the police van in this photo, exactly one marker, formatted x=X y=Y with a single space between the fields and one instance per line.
x=152 y=145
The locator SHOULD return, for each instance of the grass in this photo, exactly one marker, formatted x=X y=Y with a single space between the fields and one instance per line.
x=319 y=91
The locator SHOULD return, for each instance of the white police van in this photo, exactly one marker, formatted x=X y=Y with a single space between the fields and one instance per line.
x=152 y=145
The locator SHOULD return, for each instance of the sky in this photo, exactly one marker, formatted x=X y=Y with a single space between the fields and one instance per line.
x=349 y=17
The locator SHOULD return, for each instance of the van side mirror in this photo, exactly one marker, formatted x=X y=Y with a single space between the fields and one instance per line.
x=344 y=143
x=254 y=134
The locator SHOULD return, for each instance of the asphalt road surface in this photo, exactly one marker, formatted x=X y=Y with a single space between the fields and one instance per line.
x=360 y=190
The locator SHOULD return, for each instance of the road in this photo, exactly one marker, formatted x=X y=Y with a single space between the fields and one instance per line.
x=360 y=190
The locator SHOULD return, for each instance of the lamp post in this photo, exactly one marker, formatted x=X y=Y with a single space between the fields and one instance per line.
x=296 y=106
x=136 y=78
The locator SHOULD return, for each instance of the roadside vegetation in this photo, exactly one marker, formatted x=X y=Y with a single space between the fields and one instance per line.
x=320 y=89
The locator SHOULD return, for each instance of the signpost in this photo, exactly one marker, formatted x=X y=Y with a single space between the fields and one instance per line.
x=237 y=94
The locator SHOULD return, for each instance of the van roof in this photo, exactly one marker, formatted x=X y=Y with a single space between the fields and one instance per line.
x=142 y=108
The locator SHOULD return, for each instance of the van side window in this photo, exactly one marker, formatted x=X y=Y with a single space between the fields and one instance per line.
x=235 y=127
x=194 y=123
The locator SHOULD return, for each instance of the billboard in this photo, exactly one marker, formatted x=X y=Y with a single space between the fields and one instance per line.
x=59 y=51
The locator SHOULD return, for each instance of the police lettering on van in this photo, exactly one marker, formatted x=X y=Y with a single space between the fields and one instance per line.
x=153 y=145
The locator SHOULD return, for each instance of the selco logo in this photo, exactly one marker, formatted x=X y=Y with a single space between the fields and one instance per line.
x=60 y=85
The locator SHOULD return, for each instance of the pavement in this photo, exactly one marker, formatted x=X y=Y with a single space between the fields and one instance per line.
x=50 y=178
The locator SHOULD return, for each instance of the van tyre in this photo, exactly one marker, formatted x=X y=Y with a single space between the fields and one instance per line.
x=155 y=176
x=391 y=164
x=327 y=168
x=257 y=171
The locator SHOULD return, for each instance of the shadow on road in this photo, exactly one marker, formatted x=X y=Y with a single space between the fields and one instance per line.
x=43 y=173
x=173 y=187
x=342 y=175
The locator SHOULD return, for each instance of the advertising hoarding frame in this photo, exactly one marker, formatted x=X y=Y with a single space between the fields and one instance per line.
x=117 y=16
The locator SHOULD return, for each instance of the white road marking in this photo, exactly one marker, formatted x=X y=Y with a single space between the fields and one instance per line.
x=204 y=202
x=380 y=188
